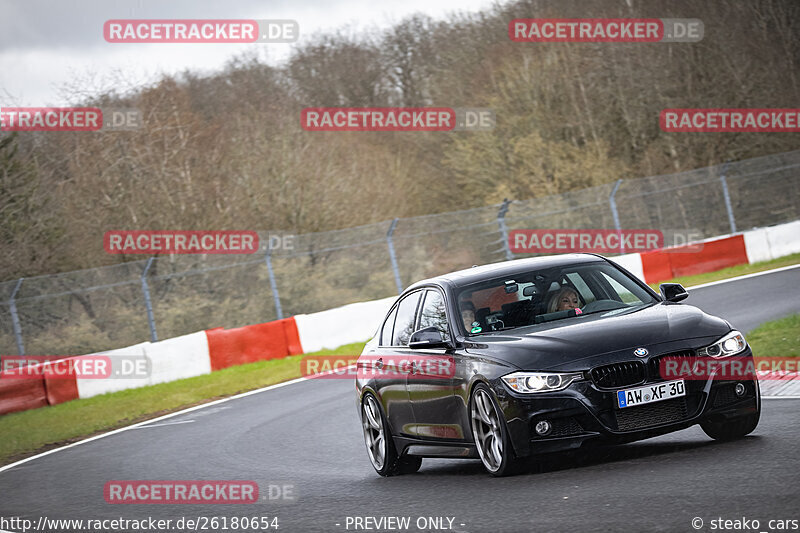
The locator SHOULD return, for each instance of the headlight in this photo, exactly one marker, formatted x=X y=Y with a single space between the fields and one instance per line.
x=529 y=382
x=730 y=344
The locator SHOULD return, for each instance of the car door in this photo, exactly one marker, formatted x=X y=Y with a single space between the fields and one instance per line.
x=391 y=384
x=431 y=380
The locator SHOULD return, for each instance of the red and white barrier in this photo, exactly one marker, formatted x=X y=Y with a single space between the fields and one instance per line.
x=343 y=325
x=238 y=346
x=93 y=387
x=206 y=351
x=762 y=244
x=20 y=394
x=692 y=259
x=169 y=360
x=178 y=358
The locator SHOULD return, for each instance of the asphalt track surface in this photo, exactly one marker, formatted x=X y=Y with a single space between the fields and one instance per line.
x=307 y=435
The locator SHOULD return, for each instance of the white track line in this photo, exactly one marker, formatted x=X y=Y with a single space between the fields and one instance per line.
x=298 y=380
x=744 y=276
x=166 y=424
x=780 y=397
x=170 y=415
x=153 y=420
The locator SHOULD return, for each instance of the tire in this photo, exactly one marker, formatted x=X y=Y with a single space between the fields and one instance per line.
x=491 y=434
x=734 y=428
x=380 y=445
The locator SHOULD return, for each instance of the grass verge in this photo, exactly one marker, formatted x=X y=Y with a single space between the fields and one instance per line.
x=779 y=338
x=29 y=432
x=732 y=272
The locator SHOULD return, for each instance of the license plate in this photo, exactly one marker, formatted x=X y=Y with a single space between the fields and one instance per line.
x=651 y=393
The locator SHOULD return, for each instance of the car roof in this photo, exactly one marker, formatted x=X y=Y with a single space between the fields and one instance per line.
x=476 y=274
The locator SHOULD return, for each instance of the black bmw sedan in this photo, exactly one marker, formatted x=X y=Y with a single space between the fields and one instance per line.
x=507 y=361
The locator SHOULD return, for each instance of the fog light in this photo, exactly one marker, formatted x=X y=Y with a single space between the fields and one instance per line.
x=543 y=427
x=740 y=389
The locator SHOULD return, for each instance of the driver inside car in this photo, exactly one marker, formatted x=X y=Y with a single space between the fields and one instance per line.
x=564 y=299
x=468 y=314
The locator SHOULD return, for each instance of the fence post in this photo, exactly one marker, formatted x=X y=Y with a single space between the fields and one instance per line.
x=393 y=257
x=12 y=306
x=146 y=291
x=501 y=222
x=612 y=202
x=727 y=196
x=273 y=285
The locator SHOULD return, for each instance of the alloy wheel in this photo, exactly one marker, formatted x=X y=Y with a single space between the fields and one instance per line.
x=374 y=434
x=486 y=430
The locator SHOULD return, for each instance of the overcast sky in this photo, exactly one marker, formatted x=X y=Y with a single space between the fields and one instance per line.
x=47 y=46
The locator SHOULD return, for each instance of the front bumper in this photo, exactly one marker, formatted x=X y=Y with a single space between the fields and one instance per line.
x=584 y=413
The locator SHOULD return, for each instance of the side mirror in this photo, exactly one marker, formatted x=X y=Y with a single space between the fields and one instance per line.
x=673 y=292
x=429 y=337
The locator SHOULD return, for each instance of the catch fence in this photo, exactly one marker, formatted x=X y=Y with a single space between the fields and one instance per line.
x=160 y=297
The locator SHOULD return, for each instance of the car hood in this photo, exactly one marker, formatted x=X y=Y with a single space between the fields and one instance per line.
x=583 y=342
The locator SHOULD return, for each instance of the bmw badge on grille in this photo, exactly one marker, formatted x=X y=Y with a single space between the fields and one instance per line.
x=640 y=352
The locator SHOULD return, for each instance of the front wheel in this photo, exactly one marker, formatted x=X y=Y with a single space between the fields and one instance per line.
x=490 y=433
x=380 y=446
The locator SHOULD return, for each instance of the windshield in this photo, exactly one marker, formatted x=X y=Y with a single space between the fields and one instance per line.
x=559 y=293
